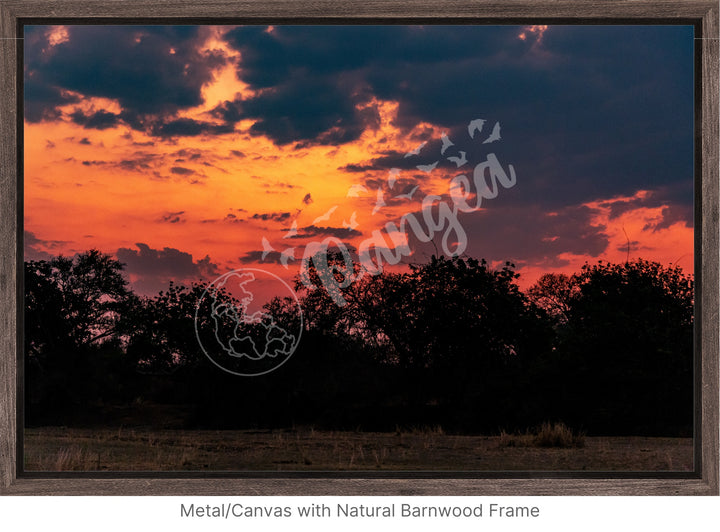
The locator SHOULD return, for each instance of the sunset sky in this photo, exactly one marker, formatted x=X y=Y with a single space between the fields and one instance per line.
x=189 y=151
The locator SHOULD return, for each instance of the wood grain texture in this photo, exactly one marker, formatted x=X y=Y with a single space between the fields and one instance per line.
x=710 y=317
x=8 y=235
x=703 y=11
x=370 y=487
x=436 y=9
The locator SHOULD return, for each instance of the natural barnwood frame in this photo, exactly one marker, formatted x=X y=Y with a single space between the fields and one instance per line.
x=701 y=13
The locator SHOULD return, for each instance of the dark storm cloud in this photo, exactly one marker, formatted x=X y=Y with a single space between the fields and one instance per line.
x=589 y=112
x=529 y=235
x=179 y=170
x=673 y=215
x=337 y=232
x=173 y=217
x=188 y=153
x=308 y=110
x=97 y=120
x=257 y=256
x=321 y=76
x=167 y=261
x=41 y=100
x=187 y=127
x=227 y=111
x=429 y=154
x=666 y=196
x=141 y=161
x=231 y=218
x=278 y=184
x=154 y=268
x=274 y=216
x=150 y=70
x=394 y=159
x=35 y=248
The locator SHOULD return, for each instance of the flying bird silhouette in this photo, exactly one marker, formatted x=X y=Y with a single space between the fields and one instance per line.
x=495 y=135
x=267 y=248
x=285 y=256
x=392 y=176
x=459 y=161
x=353 y=223
x=325 y=217
x=408 y=195
x=292 y=231
x=475 y=125
x=416 y=151
x=380 y=203
x=355 y=190
x=446 y=143
x=427 y=168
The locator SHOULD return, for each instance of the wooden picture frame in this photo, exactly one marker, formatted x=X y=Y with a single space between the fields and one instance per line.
x=703 y=14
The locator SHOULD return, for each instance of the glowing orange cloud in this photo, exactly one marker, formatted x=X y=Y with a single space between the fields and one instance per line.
x=636 y=233
x=228 y=195
x=537 y=31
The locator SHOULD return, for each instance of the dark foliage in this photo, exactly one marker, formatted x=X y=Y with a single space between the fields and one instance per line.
x=452 y=342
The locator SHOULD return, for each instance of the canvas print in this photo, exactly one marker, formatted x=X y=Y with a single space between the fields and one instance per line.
x=378 y=248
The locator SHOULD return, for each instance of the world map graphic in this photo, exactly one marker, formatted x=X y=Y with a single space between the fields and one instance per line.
x=241 y=340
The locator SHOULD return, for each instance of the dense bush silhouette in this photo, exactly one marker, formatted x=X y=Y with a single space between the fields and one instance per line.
x=625 y=353
x=451 y=342
x=73 y=309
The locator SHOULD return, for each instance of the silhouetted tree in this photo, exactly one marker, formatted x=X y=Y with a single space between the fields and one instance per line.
x=452 y=341
x=553 y=293
x=72 y=312
x=452 y=331
x=161 y=329
x=627 y=348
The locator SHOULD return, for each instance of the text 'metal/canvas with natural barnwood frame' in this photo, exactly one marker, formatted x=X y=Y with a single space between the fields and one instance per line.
x=459 y=248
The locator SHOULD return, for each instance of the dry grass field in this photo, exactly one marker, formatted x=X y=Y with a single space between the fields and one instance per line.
x=305 y=449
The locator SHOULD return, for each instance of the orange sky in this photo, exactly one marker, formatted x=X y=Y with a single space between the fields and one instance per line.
x=114 y=188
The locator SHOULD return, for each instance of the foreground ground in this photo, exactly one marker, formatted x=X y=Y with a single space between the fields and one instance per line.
x=121 y=449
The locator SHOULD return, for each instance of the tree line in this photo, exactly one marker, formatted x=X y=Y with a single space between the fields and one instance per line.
x=451 y=342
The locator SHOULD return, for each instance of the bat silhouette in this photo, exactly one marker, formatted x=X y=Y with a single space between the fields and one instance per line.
x=416 y=151
x=495 y=135
x=446 y=143
x=380 y=203
x=427 y=168
x=474 y=125
x=352 y=224
x=355 y=190
x=292 y=231
x=392 y=176
x=267 y=248
x=285 y=256
x=459 y=161
x=325 y=217
x=408 y=195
